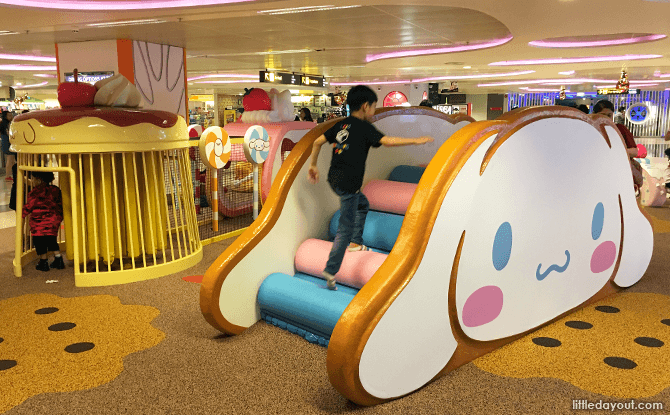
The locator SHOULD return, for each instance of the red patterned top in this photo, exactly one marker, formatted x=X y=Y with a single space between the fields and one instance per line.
x=45 y=207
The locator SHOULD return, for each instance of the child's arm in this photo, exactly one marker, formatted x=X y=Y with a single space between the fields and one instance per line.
x=397 y=141
x=28 y=207
x=313 y=174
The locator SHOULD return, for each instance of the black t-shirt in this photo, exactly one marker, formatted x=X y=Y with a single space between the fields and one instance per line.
x=351 y=139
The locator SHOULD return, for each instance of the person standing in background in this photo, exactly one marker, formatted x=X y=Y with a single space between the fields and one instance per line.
x=620 y=116
x=10 y=158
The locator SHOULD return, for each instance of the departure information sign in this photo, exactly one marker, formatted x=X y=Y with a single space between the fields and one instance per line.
x=287 y=78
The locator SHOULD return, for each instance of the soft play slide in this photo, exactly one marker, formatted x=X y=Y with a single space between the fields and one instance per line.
x=507 y=230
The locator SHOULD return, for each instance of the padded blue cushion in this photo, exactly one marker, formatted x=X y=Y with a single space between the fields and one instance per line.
x=407 y=174
x=304 y=302
x=381 y=229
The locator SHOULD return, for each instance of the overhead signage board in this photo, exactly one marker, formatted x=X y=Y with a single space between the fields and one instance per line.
x=286 y=78
x=88 y=77
x=310 y=80
x=201 y=98
x=283 y=78
x=617 y=91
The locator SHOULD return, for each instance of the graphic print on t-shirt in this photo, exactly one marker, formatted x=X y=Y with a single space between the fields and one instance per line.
x=341 y=137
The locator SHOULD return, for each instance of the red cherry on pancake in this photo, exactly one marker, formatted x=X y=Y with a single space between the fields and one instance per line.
x=256 y=99
x=76 y=94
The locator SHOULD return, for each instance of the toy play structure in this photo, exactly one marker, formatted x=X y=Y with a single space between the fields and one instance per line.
x=235 y=182
x=128 y=216
x=506 y=230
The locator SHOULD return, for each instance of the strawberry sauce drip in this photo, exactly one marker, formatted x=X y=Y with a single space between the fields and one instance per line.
x=119 y=117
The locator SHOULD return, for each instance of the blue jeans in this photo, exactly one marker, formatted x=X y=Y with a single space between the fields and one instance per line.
x=353 y=210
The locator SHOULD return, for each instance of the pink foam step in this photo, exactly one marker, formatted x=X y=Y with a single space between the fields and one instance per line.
x=388 y=196
x=357 y=267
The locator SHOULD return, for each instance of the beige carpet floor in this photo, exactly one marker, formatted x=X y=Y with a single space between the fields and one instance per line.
x=266 y=370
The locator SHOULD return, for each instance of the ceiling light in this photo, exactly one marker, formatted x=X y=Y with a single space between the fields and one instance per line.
x=545 y=81
x=304 y=9
x=116 y=5
x=566 y=73
x=7 y=32
x=467 y=67
x=237 y=81
x=126 y=23
x=371 y=83
x=27 y=68
x=479 y=76
x=451 y=49
x=541 y=89
x=44 y=75
x=222 y=75
x=27 y=58
x=593 y=43
x=19 y=86
x=553 y=61
x=272 y=52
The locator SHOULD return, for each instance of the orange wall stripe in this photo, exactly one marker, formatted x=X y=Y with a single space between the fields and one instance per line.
x=57 y=63
x=124 y=52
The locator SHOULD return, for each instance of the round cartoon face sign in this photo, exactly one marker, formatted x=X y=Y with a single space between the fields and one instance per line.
x=215 y=147
x=638 y=113
x=256 y=144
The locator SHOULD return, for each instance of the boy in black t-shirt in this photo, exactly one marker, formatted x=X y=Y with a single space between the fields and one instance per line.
x=351 y=139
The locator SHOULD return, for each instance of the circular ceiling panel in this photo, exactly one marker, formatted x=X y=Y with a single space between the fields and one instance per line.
x=615 y=39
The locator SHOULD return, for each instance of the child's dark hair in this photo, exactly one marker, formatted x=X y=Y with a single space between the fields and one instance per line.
x=45 y=176
x=602 y=104
x=359 y=95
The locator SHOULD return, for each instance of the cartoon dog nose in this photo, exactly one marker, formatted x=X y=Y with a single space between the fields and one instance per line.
x=542 y=275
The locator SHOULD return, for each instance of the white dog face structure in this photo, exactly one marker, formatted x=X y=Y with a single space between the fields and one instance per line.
x=537 y=215
x=545 y=232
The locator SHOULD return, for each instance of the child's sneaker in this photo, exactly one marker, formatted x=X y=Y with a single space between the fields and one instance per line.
x=330 y=281
x=43 y=265
x=356 y=248
x=58 y=263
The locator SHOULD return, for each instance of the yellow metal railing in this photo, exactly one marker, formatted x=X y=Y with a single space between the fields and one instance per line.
x=119 y=224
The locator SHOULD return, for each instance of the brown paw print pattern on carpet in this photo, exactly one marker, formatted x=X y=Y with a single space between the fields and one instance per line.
x=54 y=344
x=618 y=347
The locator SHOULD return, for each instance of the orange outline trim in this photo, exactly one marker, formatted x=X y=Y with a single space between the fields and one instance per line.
x=57 y=63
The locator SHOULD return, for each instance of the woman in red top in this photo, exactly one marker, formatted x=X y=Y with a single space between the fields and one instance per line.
x=45 y=207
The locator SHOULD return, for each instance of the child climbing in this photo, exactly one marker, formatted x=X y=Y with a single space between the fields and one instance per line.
x=45 y=207
x=351 y=139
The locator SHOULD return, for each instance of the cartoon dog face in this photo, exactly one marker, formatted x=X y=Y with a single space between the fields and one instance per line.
x=557 y=240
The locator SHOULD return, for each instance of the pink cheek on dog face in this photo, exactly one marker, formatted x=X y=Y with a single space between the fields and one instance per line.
x=603 y=257
x=483 y=306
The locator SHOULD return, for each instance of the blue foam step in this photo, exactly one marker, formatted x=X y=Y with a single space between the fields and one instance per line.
x=381 y=229
x=407 y=174
x=303 y=305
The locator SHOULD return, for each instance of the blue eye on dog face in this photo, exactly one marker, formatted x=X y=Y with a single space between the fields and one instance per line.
x=598 y=221
x=502 y=246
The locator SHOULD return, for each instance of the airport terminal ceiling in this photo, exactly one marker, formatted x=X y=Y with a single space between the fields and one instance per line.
x=363 y=41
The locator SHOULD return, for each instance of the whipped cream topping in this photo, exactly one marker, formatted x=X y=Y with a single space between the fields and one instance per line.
x=117 y=91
